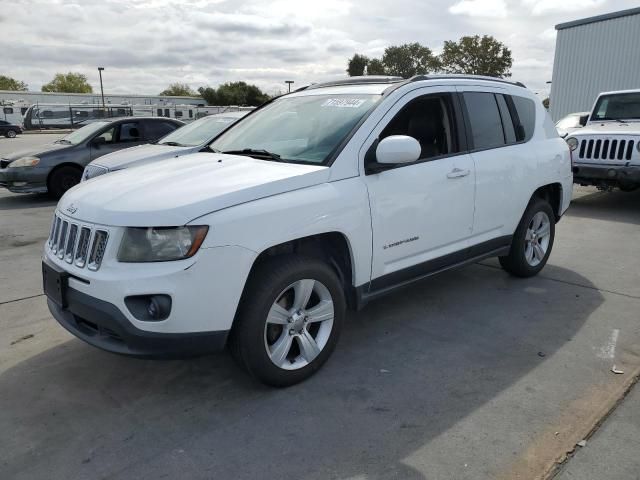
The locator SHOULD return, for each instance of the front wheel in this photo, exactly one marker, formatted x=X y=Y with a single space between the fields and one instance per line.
x=62 y=179
x=11 y=134
x=532 y=241
x=289 y=320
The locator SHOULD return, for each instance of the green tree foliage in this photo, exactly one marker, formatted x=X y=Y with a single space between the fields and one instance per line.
x=8 y=83
x=68 y=83
x=408 y=60
x=375 y=67
x=234 y=93
x=476 y=55
x=178 y=90
x=356 y=65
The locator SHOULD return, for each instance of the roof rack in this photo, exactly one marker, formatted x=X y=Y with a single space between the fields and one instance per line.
x=359 y=80
x=456 y=76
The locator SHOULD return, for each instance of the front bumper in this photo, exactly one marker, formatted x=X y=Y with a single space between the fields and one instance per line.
x=590 y=174
x=24 y=180
x=103 y=325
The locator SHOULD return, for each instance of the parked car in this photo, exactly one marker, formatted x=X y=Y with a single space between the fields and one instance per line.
x=606 y=152
x=571 y=122
x=57 y=167
x=9 y=130
x=191 y=138
x=322 y=199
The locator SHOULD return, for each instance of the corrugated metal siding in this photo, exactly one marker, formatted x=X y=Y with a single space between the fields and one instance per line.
x=594 y=58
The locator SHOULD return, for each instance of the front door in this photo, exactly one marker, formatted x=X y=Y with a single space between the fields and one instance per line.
x=119 y=136
x=424 y=210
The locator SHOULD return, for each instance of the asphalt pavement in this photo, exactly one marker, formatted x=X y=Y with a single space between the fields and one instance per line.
x=469 y=375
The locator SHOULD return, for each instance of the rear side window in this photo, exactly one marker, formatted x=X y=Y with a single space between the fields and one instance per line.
x=507 y=121
x=157 y=130
x=485 y=120
x=526 y=121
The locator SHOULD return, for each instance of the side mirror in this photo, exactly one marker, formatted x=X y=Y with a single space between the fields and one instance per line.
x=398 y=149
x=96 y=142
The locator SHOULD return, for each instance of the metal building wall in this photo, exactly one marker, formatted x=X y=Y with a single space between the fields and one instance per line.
x=594 y=58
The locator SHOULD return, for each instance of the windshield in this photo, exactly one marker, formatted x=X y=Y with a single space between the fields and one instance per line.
x=621 y=106
x=83 y=133
x=303 y=129
x=198 y=132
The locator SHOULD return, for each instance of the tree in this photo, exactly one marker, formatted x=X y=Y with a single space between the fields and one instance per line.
x=375 y=67
x=234 y=93
x=476 y=55
x=178 y=90
x=356 y=65
x=8 y=83
x=68 y=83
x=408 y=60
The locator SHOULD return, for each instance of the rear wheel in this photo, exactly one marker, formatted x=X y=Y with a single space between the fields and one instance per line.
x=62 y=179
x=532 y=241
x=289 y=320
x=11 y=134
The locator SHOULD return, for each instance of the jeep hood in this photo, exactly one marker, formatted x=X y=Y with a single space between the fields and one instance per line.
x=140 y=155
x=166 y=193
x=609 y=128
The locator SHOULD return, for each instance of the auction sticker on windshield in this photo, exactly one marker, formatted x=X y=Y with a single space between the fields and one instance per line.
x=343 y=102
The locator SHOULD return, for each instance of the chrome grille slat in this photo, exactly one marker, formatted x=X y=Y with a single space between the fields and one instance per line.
x=83 y=247
x=63 y=238
x=71 y=243
x=97 y=249
x=56 y=232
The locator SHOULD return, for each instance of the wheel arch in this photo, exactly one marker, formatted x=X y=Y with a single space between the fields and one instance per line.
x=61 y=165
x=552 y=193
x=333 y=247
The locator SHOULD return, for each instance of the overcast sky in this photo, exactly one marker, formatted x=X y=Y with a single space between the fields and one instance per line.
x=146 y=45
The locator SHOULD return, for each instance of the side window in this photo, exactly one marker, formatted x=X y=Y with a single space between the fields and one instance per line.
x=108 y=135
x=430 y=120
x=190 y=113
x=8 y=110
x=159 y=112
x=129 y=132
x=156 y=130
x=166 y=112
x=178 y=113
x=484 y=117
x=507 y=121
x=526 y=124
x=23 y=110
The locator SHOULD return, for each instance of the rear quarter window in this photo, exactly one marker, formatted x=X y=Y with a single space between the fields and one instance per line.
x=526 y=110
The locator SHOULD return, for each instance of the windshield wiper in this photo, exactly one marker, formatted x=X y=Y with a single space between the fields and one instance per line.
x=256 y=153
x=62 y=140
x=173 y=144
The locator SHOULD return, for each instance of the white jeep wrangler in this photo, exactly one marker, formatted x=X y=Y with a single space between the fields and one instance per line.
x=320 y=200
x=606 y=152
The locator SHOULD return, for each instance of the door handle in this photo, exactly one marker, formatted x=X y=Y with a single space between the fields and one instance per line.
x=458 y=172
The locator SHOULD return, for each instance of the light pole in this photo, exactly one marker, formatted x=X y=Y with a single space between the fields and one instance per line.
x=100 y=69
x=289 y=82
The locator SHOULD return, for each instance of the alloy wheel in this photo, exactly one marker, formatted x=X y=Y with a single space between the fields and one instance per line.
x=537 y=238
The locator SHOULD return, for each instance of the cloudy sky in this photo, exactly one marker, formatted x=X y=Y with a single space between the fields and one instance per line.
x=145 y=45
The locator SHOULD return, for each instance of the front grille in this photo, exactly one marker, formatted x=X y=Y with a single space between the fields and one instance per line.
x=606 y=149
x=79 y=244
x=92 y=171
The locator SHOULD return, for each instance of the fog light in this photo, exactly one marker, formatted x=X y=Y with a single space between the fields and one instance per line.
x=149 y=308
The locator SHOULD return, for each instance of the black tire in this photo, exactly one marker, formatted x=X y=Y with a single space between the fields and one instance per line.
x=62 y=179
x=249 y=337
x=516 y=263
x=10 y=134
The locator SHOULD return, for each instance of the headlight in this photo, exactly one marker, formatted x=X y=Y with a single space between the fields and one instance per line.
x=573 y=143
x=25 y=162
x=160 y=244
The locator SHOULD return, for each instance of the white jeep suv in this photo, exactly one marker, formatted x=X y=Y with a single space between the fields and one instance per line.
x=606 y=152
x=320 y=200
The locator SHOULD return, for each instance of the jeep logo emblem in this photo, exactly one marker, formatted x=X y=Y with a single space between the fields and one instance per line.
x=72 y=209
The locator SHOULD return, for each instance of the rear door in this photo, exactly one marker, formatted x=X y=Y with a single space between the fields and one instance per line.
x=501 y=163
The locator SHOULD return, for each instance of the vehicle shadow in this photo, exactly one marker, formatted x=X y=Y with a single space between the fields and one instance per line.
x=407 y=369
x=10 y=201
x=615 y=206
